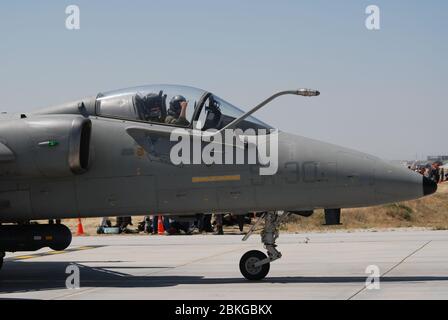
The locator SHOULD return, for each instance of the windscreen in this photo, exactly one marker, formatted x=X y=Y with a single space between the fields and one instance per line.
x=217 y=113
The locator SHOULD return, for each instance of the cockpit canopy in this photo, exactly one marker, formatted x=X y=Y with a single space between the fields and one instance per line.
x=152 y=104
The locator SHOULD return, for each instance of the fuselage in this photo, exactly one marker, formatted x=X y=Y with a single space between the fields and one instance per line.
x=42 y=178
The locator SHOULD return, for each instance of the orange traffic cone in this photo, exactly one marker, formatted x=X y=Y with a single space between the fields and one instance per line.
x=80 y=228
x=160 y=227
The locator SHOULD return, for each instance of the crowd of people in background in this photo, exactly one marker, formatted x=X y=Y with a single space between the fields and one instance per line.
x=435 y=171
x=167 y=225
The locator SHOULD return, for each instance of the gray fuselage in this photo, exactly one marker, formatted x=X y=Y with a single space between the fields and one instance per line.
x=41 y=179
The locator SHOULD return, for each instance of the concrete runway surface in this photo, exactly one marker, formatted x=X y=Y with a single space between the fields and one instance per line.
x=413 y=265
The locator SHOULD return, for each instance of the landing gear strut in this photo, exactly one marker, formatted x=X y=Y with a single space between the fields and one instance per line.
x=255 y=265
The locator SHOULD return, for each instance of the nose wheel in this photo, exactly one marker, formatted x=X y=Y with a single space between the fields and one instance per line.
x=255 y=265
x=249 y=265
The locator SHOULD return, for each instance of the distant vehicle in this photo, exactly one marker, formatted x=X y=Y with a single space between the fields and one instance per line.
x=111 y=154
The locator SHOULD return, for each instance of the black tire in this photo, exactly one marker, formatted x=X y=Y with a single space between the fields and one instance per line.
x=248 y=270
x=2 y=255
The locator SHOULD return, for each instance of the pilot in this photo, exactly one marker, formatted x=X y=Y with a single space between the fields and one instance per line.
x=177 y=111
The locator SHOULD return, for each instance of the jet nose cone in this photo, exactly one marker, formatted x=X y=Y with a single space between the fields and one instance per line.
x=429 y=186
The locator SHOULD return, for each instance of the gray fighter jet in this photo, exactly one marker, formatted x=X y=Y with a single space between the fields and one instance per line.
x=112 y=154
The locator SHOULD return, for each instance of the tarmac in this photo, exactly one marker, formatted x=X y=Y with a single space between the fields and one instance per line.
x=411 y=264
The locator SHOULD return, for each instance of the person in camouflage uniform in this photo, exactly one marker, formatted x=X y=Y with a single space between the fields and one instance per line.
x=177 y=112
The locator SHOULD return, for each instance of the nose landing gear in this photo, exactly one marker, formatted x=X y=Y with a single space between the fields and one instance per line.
x=255 y=265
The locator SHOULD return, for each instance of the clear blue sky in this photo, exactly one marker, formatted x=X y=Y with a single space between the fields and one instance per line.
x=383 y=92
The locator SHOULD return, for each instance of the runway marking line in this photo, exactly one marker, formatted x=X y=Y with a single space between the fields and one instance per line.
x=51 y=253
x=22 y=257
x=393 y=267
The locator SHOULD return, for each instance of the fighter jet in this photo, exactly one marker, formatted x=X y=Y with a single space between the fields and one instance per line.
x=142 y=151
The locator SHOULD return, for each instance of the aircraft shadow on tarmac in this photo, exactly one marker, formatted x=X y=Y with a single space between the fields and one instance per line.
x=39 y=276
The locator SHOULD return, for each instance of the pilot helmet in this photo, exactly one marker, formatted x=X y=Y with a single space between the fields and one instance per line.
x=175 y=107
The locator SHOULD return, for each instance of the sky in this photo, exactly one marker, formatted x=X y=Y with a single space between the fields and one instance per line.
x=383 y=91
